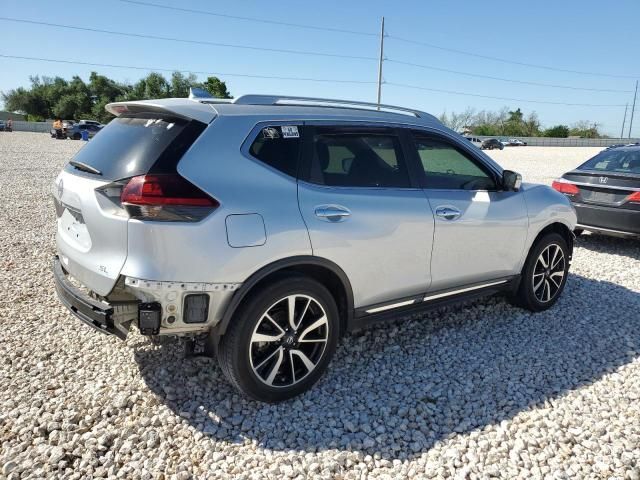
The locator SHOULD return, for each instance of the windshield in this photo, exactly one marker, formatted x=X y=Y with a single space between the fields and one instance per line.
x=131 y=145
x=621 y=161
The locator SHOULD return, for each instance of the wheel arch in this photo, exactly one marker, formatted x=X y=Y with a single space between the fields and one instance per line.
x=318 y=268
x=557 y=227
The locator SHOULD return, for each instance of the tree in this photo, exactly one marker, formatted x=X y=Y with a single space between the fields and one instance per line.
x=215 y=87
x=50 y=97
x=458 y=121
x=558 y=131
x=585 y=129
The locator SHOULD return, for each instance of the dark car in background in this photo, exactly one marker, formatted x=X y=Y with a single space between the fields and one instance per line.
x=492 y=144
x=74 y=132
x=605 y=191
x=2 y=125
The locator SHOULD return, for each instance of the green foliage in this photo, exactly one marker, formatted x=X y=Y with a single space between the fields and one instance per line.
x=512 y=123
x=55 y=97
x=559 y=131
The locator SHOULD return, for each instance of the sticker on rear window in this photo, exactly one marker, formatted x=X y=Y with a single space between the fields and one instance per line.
x=290 y=131
x=270 y=132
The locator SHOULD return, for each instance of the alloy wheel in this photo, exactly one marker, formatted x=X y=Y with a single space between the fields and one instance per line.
x=548 y=273
x=289 y=340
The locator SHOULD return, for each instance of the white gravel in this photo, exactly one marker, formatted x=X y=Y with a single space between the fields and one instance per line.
x=480 y=391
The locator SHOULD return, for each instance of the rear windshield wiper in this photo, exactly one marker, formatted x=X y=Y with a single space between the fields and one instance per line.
x=84 y=167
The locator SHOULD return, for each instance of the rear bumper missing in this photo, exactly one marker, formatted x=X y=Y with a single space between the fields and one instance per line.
x=95 y=313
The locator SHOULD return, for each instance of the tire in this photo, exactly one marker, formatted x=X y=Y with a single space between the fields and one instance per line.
x=532 y=294
x=76 y=136
x=280 y=368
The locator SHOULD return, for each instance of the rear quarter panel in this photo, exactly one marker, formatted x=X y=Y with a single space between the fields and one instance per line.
x=200 y=252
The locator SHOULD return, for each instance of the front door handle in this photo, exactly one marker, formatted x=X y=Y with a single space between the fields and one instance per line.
x=332 y=213
x=448 y=213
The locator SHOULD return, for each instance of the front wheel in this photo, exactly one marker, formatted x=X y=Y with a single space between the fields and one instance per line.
x=281 y=341
x=544 y=274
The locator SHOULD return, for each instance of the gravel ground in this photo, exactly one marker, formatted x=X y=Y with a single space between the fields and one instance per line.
x=484 y=390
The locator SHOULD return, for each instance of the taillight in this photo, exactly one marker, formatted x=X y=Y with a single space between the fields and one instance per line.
x=634 y=197
x=165 y=198
x=564 y=187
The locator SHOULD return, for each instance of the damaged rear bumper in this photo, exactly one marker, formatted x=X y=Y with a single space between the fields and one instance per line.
x=101 y=316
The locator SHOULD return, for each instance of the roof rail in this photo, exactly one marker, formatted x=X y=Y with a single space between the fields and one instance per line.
x=329 y=102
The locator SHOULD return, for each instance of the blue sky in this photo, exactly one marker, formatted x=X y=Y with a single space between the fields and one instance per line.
x=583 y=36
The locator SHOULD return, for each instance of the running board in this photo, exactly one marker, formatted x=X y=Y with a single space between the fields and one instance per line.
x=394 y=310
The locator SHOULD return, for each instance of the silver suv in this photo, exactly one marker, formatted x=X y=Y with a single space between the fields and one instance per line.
x=272 y=225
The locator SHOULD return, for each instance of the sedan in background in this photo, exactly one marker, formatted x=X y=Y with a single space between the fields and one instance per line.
x=75 y=131
x=513 y=142
x=492 y=144
x=605 y=191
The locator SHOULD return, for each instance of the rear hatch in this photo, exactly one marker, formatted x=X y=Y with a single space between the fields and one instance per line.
x=91 y=222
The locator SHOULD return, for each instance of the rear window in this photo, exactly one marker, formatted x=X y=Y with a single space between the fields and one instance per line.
x=136 y=145
x=278 y=147
x=620 y=161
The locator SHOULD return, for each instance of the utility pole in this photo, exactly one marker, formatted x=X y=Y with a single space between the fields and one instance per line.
x=624 y=120
x=633 y=109
x=380 y=60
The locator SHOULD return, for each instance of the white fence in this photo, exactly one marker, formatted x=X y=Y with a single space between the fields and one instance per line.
x=22 y=126
x=572 y=142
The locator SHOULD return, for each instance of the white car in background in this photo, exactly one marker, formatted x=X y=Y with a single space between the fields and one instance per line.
x=476 y=141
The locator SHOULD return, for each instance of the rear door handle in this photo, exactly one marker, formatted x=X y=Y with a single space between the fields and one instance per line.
x=332 y=213
x=448 y=213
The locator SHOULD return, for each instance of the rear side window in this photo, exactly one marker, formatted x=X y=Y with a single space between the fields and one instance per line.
x=137 y=145
x=278 y=147
x=351 y=158
x=621 y=161
x=448 y=168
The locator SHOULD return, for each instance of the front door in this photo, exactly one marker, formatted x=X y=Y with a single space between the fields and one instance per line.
x=480 y=230
x=363 y=212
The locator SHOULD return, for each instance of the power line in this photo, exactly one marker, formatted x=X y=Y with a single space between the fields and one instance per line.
x=249 y=19
x=502 y=79
x=183 y=40
x=500 y=98
x=514 y=62
x=108 y=65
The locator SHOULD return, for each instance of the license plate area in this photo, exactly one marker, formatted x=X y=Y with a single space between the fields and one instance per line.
x=72 y=228
x=602 y=196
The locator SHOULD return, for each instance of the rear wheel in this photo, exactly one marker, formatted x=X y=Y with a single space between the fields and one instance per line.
x=281 y=341
x=544 y=274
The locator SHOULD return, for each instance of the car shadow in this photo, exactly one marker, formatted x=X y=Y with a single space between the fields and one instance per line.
x=628 y=246
x=398 y=388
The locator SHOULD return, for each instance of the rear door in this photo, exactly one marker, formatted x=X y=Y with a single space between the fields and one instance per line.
x=91 y=224
x=480 y=230
x=364 y=213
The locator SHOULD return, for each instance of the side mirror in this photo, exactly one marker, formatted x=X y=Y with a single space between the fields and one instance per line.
x=511 y=181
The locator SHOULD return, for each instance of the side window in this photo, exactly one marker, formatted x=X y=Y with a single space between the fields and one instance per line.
x=448 y=168
x=346 y=157
x=279 y=147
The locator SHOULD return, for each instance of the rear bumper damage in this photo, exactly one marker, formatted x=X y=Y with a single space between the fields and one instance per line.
x=104 y=317
x=155 y=307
